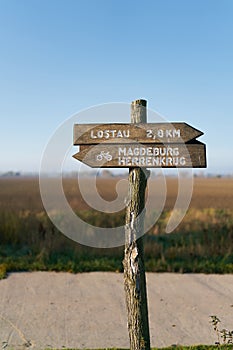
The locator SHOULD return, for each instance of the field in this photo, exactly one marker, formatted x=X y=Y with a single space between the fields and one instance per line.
x=203 y=242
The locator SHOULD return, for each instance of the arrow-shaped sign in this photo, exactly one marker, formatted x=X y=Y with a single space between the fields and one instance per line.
x=87 y=134
x=144 y=155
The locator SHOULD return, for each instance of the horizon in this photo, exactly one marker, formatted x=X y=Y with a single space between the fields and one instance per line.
x=112 y=173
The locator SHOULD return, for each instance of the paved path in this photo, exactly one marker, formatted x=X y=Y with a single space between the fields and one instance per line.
x=48 y=309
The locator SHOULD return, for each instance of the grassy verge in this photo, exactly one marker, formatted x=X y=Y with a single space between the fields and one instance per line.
x=202 y=243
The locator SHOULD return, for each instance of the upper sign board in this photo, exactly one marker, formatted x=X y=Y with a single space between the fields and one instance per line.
x=88 y=134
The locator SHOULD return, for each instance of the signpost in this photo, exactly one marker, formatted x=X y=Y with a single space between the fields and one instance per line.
x=137 y=146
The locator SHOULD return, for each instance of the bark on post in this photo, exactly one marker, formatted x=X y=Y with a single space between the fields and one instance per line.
x=134 y=270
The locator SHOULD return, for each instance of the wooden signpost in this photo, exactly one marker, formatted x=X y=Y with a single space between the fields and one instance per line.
x=138 y=146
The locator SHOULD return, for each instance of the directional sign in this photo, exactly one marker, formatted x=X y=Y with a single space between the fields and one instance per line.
x=143 y=155
x=87 y=134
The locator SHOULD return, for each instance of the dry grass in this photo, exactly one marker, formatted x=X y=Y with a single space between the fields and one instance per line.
x=19 y=194
x=23 y=193
x=203 y=242
x=207 y=192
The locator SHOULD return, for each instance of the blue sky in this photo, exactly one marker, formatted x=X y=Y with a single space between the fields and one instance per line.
x=59 y=57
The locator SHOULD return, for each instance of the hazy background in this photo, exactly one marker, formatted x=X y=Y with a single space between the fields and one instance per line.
x=59 y=57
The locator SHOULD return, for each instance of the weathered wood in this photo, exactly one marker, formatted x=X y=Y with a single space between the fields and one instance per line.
x=191 y=155
x=125 y=133
x=134 y=271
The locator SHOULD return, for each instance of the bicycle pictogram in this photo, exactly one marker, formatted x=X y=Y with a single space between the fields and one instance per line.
x=103 y=155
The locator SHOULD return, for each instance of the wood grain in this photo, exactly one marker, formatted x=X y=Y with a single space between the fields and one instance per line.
x=134 y=269
x=191 y=155
x=142 y=132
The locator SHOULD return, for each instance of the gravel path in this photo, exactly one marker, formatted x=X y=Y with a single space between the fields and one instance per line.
x=46 y=309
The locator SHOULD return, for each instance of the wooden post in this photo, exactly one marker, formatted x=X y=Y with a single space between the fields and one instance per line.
x=134 y=270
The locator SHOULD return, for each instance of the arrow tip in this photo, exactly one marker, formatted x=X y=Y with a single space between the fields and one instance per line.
x=194 y=132
x=76 y=156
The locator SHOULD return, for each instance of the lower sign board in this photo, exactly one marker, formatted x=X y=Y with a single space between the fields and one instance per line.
x=190 y=155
